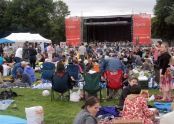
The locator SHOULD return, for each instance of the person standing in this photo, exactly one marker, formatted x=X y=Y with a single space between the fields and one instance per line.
x=25 y=54
x=1 y=50
x=42 y=47
x=58 y=50
x=156 y=51
x=6 y=48
x=32 y=56
x=156 y=54
x=82 y=51
x=165 y=75
x=50 y=51
x=139 y=52
x=18 y=55
x=112 y=64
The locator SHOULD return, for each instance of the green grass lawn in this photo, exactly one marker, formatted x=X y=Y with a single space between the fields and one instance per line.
x=55 y=112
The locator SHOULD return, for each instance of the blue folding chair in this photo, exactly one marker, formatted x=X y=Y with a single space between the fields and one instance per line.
x=47 y=71
x=73 y=71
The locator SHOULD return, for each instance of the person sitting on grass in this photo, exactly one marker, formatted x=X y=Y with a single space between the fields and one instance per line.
x=88 y=112
x=28 y=70
x=1 y=60
x=25 y=74
x=126 y=90
x=17 y=66
x=6 y=69
x=135 y=107
x=1 y=73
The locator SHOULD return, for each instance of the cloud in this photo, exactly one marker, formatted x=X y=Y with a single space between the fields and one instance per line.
x=109 y=7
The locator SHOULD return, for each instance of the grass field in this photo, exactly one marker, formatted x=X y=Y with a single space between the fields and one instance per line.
x=55 y=112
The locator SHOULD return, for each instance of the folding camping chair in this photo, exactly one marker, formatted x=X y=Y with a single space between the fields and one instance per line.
x=61 y=85
x=92 y=84
x=114 y=80
x=47 y=71
x=73 y=70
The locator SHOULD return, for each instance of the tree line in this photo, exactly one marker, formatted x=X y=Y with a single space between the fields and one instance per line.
x=46 y=17
x=163 y=22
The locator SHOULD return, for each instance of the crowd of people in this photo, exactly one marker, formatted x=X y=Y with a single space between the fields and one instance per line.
x=23 y=62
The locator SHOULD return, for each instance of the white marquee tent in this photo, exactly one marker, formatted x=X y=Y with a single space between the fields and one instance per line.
x=23 y=37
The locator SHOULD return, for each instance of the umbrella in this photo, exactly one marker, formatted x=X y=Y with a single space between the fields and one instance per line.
x=3 y=40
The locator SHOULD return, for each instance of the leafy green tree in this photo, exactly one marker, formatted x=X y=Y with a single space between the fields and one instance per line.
x=36 y=16
x=163 y=23
x=3 y=7
x=58 y=21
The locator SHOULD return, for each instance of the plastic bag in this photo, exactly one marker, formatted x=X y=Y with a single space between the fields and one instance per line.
x=4 y=104
x=34 y=115
x=43 y=86
x=152 y=98
x=142 y=78
x=75 y=96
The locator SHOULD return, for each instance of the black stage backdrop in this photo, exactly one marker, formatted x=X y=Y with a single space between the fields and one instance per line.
x=109 y=33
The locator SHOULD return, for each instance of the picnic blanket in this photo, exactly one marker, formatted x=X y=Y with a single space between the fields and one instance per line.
x=6 y=119
x=163 y=107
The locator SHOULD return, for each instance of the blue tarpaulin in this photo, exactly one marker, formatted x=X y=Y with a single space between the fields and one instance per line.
x=3 y=40
x=6 y=119
x=163 y=107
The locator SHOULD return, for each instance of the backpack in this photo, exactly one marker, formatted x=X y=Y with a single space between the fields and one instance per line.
x=7 y=94
x=108 y=111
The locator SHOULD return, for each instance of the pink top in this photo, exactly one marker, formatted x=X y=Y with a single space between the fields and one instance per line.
x=136 y=108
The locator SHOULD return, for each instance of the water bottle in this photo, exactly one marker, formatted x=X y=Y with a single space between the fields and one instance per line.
x=150 y=85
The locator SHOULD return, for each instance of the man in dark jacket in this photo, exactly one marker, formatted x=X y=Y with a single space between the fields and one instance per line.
x=32 y=56
x=126 y=91
x=25 y=53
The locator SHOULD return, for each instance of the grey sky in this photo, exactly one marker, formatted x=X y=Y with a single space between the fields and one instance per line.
x=109 y=7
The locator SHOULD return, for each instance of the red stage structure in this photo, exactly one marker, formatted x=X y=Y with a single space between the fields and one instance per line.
x=134 y=28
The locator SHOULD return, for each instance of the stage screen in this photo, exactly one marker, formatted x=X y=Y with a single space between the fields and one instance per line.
x=110 y=29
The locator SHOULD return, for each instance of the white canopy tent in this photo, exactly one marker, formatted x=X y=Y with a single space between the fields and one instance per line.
x=23 y=37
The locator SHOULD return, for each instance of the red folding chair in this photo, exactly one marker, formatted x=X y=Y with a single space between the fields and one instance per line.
x=114 y=80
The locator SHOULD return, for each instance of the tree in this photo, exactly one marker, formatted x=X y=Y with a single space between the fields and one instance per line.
x=3 y=7
x=58 y=21
x=163 y=23
x=154 y=28
x=36 y=16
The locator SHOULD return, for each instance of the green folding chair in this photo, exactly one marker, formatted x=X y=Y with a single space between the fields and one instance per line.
x=92 y=84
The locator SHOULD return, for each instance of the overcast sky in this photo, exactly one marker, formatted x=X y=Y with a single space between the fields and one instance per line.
x=109 y=7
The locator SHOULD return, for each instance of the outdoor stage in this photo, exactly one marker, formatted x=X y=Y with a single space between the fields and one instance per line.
x=134 y=28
